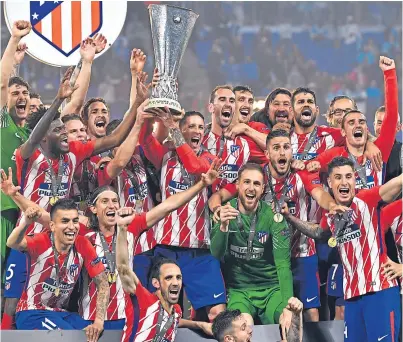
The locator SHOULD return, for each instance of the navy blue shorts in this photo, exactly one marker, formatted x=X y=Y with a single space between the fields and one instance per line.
x=202 y=277
x=16 y=274
x=49 y=320
x=306 y=281
x=373 y=317
x=335 y=283
x=117 y=324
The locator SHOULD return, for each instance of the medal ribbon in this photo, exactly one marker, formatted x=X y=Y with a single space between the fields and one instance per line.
x=252 y=231
x=56 y=180
x=360 y=169
x=309 y=144
x=160 y=332
x=187 y=178
x=222 y=145
x=278 y=203
x=109 y=255
x=56 y=259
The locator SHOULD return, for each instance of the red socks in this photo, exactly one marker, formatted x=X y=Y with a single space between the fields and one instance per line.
x=7 y=322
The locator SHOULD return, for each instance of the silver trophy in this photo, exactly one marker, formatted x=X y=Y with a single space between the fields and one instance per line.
x=171 y=28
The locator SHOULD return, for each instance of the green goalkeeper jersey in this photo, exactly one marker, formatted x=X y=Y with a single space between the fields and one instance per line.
x=269 y=263
x=12 y=137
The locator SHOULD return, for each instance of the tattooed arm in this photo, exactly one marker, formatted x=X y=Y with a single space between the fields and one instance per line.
x=312 y=230
x=94 y=330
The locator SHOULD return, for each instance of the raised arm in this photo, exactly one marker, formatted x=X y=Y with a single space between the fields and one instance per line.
x=175 y=201
x=89 y=47
x=9 y=189
x=127 y=276
x=126 y=150
x=137 y=62
x=20 y=29
x=291 y=321
x=39 y=132
x=386 y=136
x=390 y=190
x=17 y=239
x=18 y=58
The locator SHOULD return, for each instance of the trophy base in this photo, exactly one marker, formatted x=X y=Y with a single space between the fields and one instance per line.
x=173 y=105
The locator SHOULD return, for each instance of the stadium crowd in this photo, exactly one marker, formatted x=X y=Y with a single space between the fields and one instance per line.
x=107 y=224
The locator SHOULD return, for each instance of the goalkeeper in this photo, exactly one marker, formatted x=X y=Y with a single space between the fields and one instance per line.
x=256 y=251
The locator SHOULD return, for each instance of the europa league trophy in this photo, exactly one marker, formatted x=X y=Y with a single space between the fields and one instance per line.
x=171 y=28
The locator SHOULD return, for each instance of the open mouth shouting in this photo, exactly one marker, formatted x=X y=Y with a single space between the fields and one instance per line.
x=282 y=162
x=226 y=116
x=250 y=199
x=344 y=193
x=110 y=216
x=358 y=133
x=173 y=293
x=100 y=122
x=195 y=141
x=20 y=107
x=64 y=142
x=244 y=113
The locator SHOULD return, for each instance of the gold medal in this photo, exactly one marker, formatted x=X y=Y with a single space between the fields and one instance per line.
x=115 y=276
x=112 y=278
x=57 y=292
x=53 y=200
x=332 y=242
x=278 y=218
x=139 y=206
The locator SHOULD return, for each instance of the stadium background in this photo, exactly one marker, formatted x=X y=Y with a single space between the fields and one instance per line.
x=331 y=47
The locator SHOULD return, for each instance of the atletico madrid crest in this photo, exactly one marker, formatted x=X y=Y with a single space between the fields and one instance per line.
x=262 y=237
x=59 y=22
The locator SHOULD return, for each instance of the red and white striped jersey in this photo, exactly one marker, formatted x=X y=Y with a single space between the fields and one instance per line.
x=39 y=292
x=117 y=297
x=129 y=193
x=34 y=175
x=235 y=154
x=189 y=225
x=326 y=138
x=300 y=185
x=361 y=246
x=392 y=217
x=147 y=306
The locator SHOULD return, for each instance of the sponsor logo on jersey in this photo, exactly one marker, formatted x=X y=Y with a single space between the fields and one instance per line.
x=45 y=190
x=175 y=187
x=351 y=232
x=50 y=285
x=308 y=156
x=141 y=194
x=229 y=171
x=240 y=252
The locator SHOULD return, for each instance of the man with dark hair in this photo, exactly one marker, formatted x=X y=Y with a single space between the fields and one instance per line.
x=56 y=260
x=338 y=107
x=183 y=235
x=75 y=127
x=96 y=116
x=277 y=109
x=394 y=165
x=161 y=306
x=256 y=251
x=372 y=301
x=35 y=102
x=280 y=183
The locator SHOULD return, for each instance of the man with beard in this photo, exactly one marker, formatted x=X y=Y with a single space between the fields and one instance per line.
x=231 y=325
x=256 y=251
x=57 y=257
x=372 y=302
x=166 y=276
x=277 y=109
x=14 y=104
x=184 y=235
x=96 y=116
x=233 y=152
x=281 y=184
x=338 y=107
